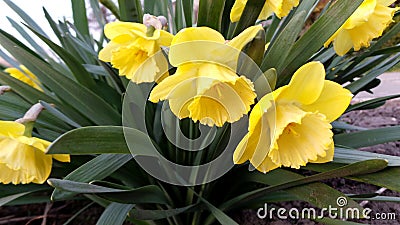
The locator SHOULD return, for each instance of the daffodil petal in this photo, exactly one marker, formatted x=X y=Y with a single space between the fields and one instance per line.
x=342 y=43
x=328 y=157
x=361 y=14
x=386 y=2
x=115 y=29
x=306 y=84
x=245 y=37
x=267 y=165
x=199 y=44
x=332 y=102
x=237 y=10
x=11 y=128
x=282 y=7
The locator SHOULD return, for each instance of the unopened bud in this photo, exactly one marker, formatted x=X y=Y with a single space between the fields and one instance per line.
x=4 y=89
x=32 y=114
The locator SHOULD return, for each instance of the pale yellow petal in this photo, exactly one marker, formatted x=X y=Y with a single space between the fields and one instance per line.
x=11 y=129
x=282 y=7
x=386 y=2
x=342 y=43
x=165 y=38
x=62 y=157
x=328 y=157
x=237 y=10
x=128 y=59
x=267 y=165
x=106 y=53
x=361 y=15
x=332 y=102
x=245 y=37
x=199 y=44
x=265 y=12
x=115 y=29
x=306 y=84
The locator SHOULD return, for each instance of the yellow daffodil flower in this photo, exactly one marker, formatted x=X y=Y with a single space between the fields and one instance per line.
x=205 y=86
x=298 y=131
x=281 y=8
x=23 y=159
x=134 y=53
x=27 y=76
x=366 y=23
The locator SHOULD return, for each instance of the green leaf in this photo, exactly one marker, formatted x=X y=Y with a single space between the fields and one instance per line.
x=316 y=36
x=28 y=93
x=78 y=96
x=130 y=10
x=96 y=169
x=58 y=114
x=368 y=137
x=25 y=17
x=249 y=16
x=141 y=195
x=91 y=140
x=345 y=155
x=143 y=214
x=284 y=180
x=346 y=126
x=388 y=178
x=109 y=4
x=370 y=103
x=77 y=69
x=210 y=13
x=156 y=7
x=28 y=38
x=7 y=199
x=115 y=214
x=385 y=65
x=278 y=50
x=79 y=187
x=80 y=17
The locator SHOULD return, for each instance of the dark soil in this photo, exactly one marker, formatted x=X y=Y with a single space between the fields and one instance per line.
x=387 y=115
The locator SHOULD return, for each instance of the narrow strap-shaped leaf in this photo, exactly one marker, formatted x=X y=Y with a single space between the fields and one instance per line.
x=25 y=17
x=249 y=15
x=317 y=35
x=368 y=137
x=279 y=48
x=7 y=199
x=115 y=214
x=59 y=114
x=357 y=85
x=143 y=214
x=369 y=104
x=80 y=17
x=91 y=140
x=345 y=155
x=210 y=13
x=358 y=168
x=96 y=169
x=130 y=10
x=78 y=96
x=77 y=69
x=28 y=38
